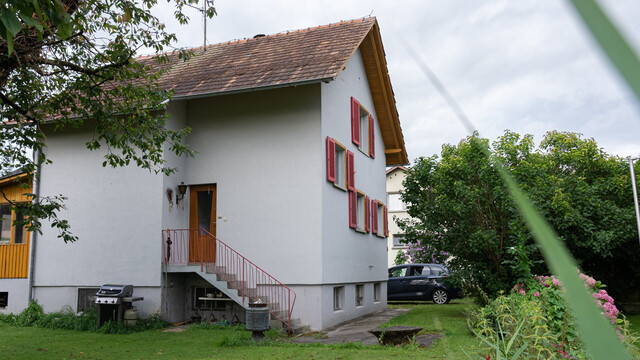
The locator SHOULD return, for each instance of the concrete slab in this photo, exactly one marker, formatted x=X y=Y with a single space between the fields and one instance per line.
x=356 y=330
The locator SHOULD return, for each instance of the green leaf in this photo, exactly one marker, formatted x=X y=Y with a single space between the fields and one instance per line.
x=9 y=43
x=11 y=22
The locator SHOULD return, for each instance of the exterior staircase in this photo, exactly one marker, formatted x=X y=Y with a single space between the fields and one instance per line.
x=196 y=250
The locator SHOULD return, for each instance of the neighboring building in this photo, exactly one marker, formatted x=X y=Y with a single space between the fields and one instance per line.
x=14 y=246
x=293 y=133
x=397 y=210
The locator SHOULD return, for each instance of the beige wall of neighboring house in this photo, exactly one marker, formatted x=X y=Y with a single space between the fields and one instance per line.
x=397 y=210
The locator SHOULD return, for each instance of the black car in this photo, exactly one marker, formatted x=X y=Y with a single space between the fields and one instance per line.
x=420 y=282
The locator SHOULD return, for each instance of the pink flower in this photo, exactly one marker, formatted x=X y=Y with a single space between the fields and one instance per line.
x=556 y=282
x=536 y=294
x=521 y=291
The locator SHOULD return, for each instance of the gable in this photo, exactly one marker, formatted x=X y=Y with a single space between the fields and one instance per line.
x=288 y=59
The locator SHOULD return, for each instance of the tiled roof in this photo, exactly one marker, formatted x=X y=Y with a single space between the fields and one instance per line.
x=293 y=57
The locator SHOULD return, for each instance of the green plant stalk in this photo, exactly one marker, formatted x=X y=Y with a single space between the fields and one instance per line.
x=598 y=336
x=611 y=41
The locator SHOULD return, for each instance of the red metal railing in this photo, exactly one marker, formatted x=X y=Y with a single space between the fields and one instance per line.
x=198 y=246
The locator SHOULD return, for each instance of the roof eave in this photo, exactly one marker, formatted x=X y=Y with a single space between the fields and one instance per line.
x=384 y=101
x=251 y=89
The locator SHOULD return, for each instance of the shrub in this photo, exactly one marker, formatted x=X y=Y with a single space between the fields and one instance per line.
x=534 y=318
x=66 y=319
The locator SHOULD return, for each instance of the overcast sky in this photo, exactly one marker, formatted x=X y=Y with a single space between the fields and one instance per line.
x=528 y=66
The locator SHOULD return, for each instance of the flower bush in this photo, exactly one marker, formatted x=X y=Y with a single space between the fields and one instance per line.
x=549 y=326
x=419 y=253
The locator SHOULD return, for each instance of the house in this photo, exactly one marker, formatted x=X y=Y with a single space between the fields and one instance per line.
x=397 y=210
x=14 y=245
x=283 y=204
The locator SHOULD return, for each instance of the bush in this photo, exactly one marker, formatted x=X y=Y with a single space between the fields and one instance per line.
x=66 y=319
x=534 y=319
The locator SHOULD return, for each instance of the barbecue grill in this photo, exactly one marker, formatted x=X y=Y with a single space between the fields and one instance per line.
x=112 y=302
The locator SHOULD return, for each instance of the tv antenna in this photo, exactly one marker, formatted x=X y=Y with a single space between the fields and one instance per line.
x=207 y=10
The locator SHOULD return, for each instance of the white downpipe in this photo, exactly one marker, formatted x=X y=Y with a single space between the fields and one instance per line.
x=635 y=193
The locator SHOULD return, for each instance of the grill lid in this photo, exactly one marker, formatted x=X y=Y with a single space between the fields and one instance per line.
x=111 y=290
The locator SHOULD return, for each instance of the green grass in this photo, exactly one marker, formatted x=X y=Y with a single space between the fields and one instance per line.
x=200 y=342
x=635 y=323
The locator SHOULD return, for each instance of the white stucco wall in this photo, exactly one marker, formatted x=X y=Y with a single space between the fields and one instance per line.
x=350 y=257
x=262 y=151
x=394 y=186
x=116 y=214
x=18 y=295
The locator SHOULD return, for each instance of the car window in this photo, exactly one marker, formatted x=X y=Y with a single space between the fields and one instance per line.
x=399 y=272
x=438 y=270
x=420 y=270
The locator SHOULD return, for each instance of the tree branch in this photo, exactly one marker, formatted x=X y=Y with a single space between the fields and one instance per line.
x=17 y=108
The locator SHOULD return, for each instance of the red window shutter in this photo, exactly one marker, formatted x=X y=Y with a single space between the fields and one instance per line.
x=386 y=221
x=353 y=209
x=355 y=121
x=331 y=159
x=367 y=214
x=351 y=172
x=372 y=145
x=374 y=216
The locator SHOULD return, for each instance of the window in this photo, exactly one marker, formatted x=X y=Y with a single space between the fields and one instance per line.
x=336 y=163
x=395 y=203
x=359 y=294
x=379 y=225
x=361 y=212
x=4 y=299
x=338 y=297
x=398 y=272
x=376 y=292
x=397 y=241
x=5 y=224
x=10 y=234
x=362 y=128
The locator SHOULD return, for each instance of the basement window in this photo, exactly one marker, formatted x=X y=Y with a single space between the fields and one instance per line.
x=376 y=292
x=359 y=294
x=4 y=299
x=338 y=297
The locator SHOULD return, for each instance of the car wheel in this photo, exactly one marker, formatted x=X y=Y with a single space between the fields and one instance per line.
x=440 y=296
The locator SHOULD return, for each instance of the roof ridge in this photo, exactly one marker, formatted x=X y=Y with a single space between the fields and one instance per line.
x=281 y=33
x=288 y=32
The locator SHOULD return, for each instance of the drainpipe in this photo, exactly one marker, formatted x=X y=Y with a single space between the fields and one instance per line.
x=34 y=235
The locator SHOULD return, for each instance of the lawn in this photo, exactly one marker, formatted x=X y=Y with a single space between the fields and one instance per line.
x=229 y=343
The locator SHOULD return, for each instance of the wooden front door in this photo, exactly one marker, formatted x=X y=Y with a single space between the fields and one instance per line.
x=202 y=216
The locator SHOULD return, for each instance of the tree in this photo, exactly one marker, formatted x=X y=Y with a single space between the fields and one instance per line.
x=459 y=205
x=70 y=63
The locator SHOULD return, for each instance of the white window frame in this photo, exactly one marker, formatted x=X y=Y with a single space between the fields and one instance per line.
x=397 y=244
x=376 y=292
x=361 y=213
x=364 y=131
x=338 y=298
x=341 y=166
x=391 y=203
x=359 y=298
x=380 y=214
